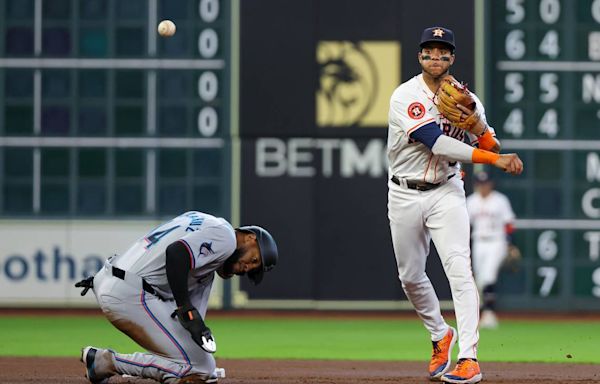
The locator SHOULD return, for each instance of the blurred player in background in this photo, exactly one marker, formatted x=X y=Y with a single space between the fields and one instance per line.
x=426 y=200
x=492 y=218
x=157 y=293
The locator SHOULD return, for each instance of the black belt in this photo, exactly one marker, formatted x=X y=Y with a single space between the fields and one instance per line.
x=419 y=185
x=119 y=273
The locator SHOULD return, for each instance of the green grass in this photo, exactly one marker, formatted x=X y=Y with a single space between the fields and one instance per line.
x=295 y=338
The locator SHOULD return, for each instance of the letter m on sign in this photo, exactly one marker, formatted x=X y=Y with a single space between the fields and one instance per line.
x=592 y=168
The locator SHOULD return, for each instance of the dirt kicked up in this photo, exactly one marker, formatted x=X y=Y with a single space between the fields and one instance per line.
x=70 y=371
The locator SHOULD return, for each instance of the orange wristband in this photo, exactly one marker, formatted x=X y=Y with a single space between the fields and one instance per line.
x=509 y=228
x=481 y=156
x=486 y=141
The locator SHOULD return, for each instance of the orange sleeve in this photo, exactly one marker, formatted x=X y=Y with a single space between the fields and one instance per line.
x=481 y=156
x=487 y=141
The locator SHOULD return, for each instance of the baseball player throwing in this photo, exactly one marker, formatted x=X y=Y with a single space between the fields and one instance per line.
x=431 y=116
x=157 y=294
x=492 y=220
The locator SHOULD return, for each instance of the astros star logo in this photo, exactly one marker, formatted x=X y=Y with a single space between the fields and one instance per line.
x=438 y=32
x=416 y=110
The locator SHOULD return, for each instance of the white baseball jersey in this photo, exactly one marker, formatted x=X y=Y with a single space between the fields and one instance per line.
x=209 y=240
x=411 y=107
x=489 y=215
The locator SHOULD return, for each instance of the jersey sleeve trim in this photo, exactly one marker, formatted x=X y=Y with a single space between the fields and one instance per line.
x=419 y=125
x=189 y=249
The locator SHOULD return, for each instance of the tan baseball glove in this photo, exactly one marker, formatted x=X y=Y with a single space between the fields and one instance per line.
x=457 y=104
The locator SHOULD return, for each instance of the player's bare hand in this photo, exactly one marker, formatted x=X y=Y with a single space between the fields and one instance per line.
x=466 y=111
x=510 y=163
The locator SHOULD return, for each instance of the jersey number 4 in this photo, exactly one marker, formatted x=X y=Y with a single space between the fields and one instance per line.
x=155 y=237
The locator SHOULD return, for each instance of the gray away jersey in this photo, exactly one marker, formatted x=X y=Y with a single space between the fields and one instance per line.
x=209 y=240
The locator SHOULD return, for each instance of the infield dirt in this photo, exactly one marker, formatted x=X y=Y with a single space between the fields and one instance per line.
x=70 y=371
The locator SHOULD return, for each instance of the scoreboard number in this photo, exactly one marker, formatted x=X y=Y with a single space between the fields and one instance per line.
x=514 y=123
x=515 y=11
x=596 y=10
x=596 y=281
x=515 y=46
x=208 y=10
x=548 y=275
x=549 y=11
x=513 y=83
x=208 y=85
x=549 y=90
x=594 y=46
x=549 y=123
x=547 y=251
x=550 y=45
x=546 y=245
x=544 y=100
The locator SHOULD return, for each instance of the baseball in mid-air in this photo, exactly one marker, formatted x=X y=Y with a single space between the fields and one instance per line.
x=166 y=28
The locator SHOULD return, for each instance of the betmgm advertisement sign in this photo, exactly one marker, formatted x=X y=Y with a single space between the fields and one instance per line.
x=355 y=82
x=327 y=134
x=315 y=83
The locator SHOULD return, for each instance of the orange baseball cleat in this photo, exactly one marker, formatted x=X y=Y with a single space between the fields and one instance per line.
x=466 y=371
x=442 y=354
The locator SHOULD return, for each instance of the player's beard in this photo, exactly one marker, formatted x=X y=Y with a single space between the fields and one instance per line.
x=230 y=262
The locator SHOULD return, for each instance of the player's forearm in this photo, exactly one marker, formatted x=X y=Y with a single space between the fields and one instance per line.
x=488 y=142
x=178 y=265
x=459 y=151
x=481 y=156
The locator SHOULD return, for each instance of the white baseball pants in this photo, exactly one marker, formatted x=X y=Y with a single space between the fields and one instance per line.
x=488 y=256
x=416 y=217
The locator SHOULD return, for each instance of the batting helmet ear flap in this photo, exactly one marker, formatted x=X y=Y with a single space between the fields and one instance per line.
x=268 y=251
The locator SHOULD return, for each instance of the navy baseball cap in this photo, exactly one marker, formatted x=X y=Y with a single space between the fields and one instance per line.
x=438 y=35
